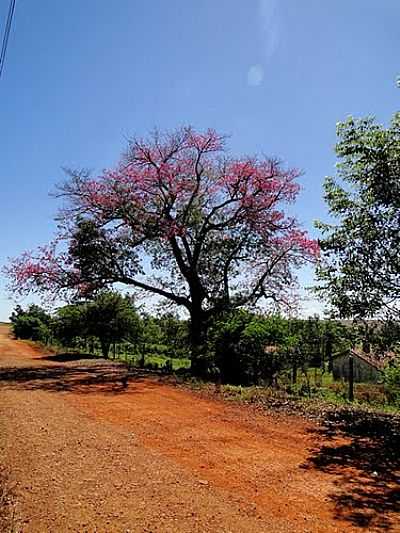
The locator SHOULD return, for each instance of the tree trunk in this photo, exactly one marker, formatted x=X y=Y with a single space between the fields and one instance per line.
x=351 y=378
x=105 y=348
x=142 y=361
x=329 y=352
x=198 y=336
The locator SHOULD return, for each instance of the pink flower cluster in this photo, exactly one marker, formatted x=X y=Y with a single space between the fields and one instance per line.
x=42 y=270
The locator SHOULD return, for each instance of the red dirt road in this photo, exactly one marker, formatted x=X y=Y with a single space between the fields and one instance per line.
x=87 y=455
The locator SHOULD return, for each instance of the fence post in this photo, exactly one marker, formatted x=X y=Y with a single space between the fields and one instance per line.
x=351 y=377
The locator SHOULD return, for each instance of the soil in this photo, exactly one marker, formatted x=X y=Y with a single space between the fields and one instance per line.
x=88 y=454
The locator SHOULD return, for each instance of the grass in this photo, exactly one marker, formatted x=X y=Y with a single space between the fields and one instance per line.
x=160 y=360
x=156 y=361
x=314 y=406
x=313 y=391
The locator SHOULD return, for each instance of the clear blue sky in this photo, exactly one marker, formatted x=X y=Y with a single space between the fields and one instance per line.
x=82 y=76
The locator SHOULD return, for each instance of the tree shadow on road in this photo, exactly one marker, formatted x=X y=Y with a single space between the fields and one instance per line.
x=91 y=377
x=362 y=450
x=69 y=357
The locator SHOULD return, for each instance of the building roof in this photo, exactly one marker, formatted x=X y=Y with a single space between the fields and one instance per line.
x=374 y=360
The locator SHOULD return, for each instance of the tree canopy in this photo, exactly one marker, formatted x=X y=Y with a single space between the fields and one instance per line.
x=360 y=264
x=111 y=317
x=32 y=323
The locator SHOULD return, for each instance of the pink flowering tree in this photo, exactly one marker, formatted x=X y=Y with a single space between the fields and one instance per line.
x=182 y=220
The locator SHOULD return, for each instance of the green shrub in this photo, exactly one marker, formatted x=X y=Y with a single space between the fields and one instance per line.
x=33 y=324
x=392 y=383
x=238 y=342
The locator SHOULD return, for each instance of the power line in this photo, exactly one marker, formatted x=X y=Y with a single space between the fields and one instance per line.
x=7 y=29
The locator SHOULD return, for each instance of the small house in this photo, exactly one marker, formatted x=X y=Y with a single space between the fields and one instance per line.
x=367 y=367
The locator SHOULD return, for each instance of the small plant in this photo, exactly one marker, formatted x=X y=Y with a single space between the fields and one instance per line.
x=338 y=388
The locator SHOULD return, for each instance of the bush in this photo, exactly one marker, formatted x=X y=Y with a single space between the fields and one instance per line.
x=157 y=349
x=392 y=383
x=33 y=324
x=239 y=342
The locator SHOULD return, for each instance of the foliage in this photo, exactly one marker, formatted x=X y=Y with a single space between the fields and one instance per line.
x=180 y=219
x=70 y=324
x=108 y=317
x=174 y=334
x=250 y=348
x=168 y=364
x=360 y=267
x=224 y=342
x=34 y=323
x=111 y=317
x=385 y=336
x=392 y=382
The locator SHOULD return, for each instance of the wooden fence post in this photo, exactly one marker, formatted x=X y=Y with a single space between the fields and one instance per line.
x=351 y=377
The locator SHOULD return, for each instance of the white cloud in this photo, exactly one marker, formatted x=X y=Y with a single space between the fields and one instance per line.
x=255 y=75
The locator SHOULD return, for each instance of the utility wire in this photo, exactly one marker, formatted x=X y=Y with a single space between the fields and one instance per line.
x=7 y=29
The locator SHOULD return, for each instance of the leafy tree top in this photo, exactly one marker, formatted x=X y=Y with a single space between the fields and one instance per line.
x=360 y=267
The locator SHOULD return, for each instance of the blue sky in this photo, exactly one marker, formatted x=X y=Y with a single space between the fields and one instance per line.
x=82 y=77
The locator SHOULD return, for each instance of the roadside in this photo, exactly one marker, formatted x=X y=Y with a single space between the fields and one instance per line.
x=88 y=454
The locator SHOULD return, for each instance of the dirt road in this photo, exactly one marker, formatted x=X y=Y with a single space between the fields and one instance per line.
x=88 y=455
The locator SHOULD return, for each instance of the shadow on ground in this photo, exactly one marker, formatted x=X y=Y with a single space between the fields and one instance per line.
x=362 y=450
x=83 y=377
x=68 y=356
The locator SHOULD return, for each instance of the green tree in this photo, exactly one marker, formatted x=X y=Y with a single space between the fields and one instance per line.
x=360 y=265
x=336 y=338
x=111 y=318
x=34 y=323
x=225 y=333
x=175 y=334
x=70 y=324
